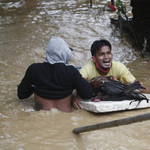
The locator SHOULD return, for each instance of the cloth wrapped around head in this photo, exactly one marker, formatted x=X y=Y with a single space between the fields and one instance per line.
x=58 y=51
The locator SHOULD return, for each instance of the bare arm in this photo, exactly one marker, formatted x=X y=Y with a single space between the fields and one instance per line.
x=75 y=100
x=147 y=89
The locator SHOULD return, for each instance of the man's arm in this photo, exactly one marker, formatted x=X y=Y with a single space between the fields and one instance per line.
x=25 y=89
x=128 y=78
x=82 y=86
x=147 y=90
x=75 y=100
x=83 y=90
x=125 y=76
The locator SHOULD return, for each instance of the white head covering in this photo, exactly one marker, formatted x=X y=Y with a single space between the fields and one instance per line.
x=58 y=51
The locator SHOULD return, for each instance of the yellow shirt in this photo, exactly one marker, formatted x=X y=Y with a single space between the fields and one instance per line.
x=118 y=70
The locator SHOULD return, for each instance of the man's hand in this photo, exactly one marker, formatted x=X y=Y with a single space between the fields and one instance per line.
x=75 y=102
x=147 y=90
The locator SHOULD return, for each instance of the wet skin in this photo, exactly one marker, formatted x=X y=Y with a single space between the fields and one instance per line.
x=46 y=104
x=104 y=58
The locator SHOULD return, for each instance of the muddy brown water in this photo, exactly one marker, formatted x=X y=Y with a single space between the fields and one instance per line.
x=25 y=29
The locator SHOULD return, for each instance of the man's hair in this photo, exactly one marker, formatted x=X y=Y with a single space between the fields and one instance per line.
x=98 y=44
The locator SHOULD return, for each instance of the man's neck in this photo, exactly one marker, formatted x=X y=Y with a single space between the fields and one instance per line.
x=101 y=73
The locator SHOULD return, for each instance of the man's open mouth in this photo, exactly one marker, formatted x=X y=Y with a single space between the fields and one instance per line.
x=106 y=62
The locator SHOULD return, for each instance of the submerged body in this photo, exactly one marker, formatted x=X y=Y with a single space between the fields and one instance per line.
x=53 y=81
x=53 y=85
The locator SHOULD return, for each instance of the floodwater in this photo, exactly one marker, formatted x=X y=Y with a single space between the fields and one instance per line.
x=25 y=29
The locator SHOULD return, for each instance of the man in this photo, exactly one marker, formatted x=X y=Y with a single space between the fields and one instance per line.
x=102 y=64
x=53 y=81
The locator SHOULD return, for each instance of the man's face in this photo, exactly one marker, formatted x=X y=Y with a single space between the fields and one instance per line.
x=104 y=57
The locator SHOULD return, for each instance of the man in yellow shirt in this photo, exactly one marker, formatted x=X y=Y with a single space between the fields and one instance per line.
x=102 y=64
x=118 y=70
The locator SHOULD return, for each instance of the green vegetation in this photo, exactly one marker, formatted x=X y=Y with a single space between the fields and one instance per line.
x=120 y=7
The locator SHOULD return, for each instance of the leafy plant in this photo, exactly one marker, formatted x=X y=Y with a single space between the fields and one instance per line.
x=120 y=7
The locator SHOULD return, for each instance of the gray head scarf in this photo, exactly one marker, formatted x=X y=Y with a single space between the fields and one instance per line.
x=58 y=51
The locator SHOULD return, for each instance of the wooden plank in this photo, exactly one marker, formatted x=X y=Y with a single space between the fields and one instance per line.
x=113 y=123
